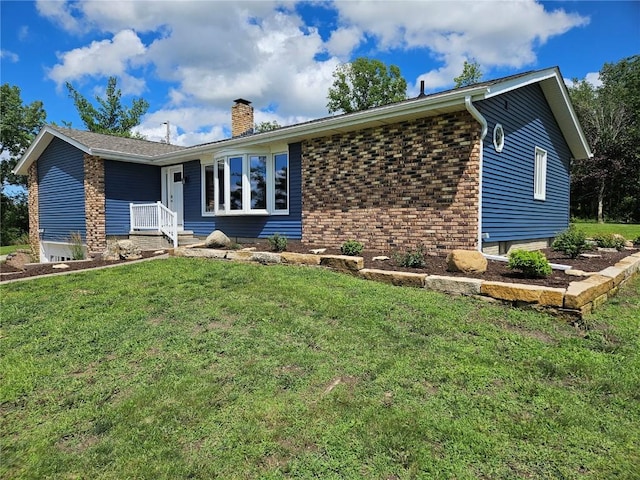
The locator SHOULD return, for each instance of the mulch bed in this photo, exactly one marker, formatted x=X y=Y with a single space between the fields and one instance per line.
x=9 y=272
x=434 y=265
x=496 y=270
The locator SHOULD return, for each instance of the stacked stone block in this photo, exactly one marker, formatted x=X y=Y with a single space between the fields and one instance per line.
x=396 y=186
x=95 y=215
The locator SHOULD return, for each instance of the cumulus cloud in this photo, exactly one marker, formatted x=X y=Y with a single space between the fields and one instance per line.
x=594 y=79
x=102 y=58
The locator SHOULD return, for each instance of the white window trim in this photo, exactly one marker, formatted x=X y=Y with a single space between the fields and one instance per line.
x=498 y=145
x=540 y=174
x=246 y=185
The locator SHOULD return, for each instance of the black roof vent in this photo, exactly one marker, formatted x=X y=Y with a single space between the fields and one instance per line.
x=422 y=94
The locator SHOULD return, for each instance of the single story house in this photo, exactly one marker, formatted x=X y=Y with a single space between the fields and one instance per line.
x=479 y=167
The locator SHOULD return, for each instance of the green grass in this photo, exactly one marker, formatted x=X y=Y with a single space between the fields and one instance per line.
x=186 y=368
x=627 y=230
x=12 y=248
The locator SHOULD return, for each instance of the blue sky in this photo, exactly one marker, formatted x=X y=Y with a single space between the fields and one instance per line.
x=191 y=59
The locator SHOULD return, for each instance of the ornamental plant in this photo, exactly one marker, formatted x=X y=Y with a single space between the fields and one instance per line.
x=572 y=242
x=352 y=248
x=531 y=264
x=411 y=258
x=610 y=240
x=277 y=242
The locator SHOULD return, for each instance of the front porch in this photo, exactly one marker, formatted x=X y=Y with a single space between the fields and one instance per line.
x=154 y=226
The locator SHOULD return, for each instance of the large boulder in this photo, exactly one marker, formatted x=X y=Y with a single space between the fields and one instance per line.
x=217 y=239
x=466 y=261
x=121 y=250
x=19 y=259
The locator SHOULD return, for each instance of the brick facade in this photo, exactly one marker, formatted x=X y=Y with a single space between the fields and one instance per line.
x=34 y=213
x=94 y=205
x=395 y=186
x=241 y=118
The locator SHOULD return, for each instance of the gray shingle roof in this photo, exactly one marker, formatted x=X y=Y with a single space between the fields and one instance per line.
x=131 y=146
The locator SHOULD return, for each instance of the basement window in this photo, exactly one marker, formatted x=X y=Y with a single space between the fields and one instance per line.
x=247 y=184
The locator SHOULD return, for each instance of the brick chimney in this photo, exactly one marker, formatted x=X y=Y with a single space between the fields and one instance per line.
x=241 y=118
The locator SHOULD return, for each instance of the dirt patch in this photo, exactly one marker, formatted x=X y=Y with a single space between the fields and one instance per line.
x=496 y=271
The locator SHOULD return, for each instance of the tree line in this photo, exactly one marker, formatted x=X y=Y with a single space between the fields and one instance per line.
x=606 y=186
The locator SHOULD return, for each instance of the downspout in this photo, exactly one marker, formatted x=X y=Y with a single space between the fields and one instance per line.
x=483 y=123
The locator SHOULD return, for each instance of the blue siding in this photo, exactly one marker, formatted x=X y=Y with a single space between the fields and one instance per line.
x=61 y=191
x=127 y=183
x=245 y=226
x=509 y=211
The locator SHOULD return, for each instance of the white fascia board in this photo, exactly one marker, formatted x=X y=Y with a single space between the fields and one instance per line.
x=39 y=145
x=523 y=81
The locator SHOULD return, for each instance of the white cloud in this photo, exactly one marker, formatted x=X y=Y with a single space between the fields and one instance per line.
x=61 y=13
x=100 y=59
x=10 y=56
x=496 y=34
x=594 y=79
x=344 y=40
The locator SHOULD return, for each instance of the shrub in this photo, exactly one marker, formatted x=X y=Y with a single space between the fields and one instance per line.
x=352 y=248
x=610 y=240
x=572 y=242
x=412 y=258
x=531 y=264
x=636 y=242
x=277 y=242
x=77 y=247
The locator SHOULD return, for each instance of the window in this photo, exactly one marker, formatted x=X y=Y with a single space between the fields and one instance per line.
x=498 y=137
x=540 y=175
x=251 y=184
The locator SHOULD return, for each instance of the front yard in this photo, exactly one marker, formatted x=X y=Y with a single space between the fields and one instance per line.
x=188 y=368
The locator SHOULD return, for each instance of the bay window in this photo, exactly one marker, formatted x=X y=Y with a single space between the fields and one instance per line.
x=248 y=184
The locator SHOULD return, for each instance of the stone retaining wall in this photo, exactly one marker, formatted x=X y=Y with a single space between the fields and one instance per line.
x=579 y=298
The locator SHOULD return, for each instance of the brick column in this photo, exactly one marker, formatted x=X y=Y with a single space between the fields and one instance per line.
x=34 y=213
x=94 y=204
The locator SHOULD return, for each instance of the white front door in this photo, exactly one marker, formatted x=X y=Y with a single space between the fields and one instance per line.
x=172 y=191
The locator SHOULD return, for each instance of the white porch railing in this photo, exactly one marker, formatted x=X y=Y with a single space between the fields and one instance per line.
x=154 y=216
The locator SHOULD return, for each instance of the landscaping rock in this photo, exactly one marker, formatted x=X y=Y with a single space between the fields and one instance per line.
x=121 y=250
x=343 y=263
x=455 y=285
x=60 y=266
x=380 y=258
x=300 y=258
x=266 y=257
x=545 y=296
x=400 y=279
x=217 y=239
x=583 y=292
x=18 y=259
x=466 y=261
x=318 y=251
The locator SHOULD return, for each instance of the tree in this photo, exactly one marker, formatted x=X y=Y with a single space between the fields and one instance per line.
x=471 y=74
x=14 y=218
x=19 y=124
x=365 y=83
x=266 y=126
x=110 y=116
x=608 y=184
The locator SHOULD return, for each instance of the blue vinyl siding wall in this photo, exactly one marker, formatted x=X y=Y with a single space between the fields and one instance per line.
x=245 y=226
x=509 y=211
x=61 y=191
x=127 y=183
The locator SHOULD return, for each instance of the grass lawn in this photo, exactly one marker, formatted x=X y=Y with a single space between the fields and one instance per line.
x=12 y=248
x=187 y=368
x=629 y=231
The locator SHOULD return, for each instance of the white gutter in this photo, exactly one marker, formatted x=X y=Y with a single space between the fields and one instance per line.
x=483 y=123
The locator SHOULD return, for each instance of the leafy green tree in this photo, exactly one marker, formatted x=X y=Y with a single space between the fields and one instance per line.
x=471 y=74
x=110 y=116
x=14 y=218
x=266 y=126
x=365 y=83
x=608 y=184
x=19 y=124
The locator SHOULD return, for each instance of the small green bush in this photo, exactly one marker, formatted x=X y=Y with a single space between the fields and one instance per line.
x=572 y=242
x=352 y=248
x=610 y=240
x=277 y=242
x=531 y=264
x=412 y=258
x=636 y=242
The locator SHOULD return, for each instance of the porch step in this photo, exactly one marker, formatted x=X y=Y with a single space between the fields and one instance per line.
x=186 y=238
